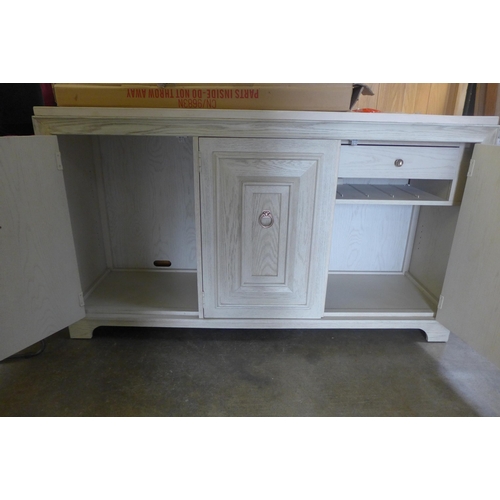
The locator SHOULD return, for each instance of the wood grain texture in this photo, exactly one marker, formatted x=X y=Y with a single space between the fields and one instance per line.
x=471 y=288
x=83 y=201
x=39 y=272
x=149 y=190
x=460 y=99
x=278 y=124
x=390 y=99
x=144 y=293
x=418 y=162
x=436 y=104
x=73 y=116
x=264 y=248
x=299 y=175
x=267 y=257
x=492 y=100
x=434 y=331
x=197 y=212
x=369 y=238
x=416 y=98
x=390 y=194
x=375 y=295
x=432 y=246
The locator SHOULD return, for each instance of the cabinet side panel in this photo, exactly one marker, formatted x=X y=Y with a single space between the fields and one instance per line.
x=432 y=246
x=149 y=189
x=81 y=188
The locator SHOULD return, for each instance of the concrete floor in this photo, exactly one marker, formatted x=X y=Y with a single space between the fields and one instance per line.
x=177 y=372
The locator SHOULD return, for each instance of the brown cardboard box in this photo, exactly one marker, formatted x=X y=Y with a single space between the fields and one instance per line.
x=296 y=97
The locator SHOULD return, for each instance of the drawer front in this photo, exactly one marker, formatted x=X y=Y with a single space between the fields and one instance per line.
x=400 y=162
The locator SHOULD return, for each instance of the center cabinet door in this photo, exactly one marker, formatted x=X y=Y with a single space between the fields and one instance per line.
x=266 y=222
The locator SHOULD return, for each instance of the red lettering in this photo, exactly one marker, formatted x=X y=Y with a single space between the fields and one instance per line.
x=246 y=93
x=196 y=103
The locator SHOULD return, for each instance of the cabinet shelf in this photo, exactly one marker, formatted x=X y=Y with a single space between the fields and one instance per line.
x=165 y=293
x=144 y=292
x=375 y=295
x=389 y=193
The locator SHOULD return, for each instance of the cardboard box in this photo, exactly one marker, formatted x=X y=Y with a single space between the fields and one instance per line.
x=296 y=97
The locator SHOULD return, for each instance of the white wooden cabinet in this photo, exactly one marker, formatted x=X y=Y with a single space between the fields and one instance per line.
x=267 y=219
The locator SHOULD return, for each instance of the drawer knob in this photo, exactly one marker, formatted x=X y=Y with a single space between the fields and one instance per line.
x=266 y=219
x=399 y=162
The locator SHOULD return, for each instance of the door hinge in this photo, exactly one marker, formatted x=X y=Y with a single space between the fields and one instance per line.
x=59 y=161
x=441 y=300
x=80 y=299
x=199 y=160
x=471 y=168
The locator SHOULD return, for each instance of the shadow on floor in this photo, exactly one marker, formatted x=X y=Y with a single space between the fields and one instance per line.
x=183 y=372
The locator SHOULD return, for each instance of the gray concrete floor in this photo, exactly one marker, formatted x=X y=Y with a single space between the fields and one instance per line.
x=178 y=372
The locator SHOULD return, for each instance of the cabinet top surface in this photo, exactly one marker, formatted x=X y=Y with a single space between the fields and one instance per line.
x=213 y=114
x=248 y=123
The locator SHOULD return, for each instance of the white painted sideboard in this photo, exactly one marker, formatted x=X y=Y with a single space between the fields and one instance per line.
x=265 y=219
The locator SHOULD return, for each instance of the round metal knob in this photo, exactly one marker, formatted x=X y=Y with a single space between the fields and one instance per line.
x=266 y=219
x=399 y=162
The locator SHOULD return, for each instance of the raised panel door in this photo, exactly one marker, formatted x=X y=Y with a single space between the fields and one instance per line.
x=266 y=217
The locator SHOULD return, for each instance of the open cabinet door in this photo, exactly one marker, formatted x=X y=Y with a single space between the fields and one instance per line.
x=471 y=291
x=39 y=282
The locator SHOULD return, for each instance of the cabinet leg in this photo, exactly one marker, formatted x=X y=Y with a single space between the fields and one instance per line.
x=436 y=333
x=82 y=329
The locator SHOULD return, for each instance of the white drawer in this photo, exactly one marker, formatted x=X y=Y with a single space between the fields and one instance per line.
x=400 y=162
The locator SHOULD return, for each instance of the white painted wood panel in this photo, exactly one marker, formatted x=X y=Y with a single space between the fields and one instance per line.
x=237 y=123
x=388 y=194
x=432 y=245
x=139 y=293
x=40 y=286
x=256 y=115
x=264 y=248
x=373 y=295
x=370 y=238
x=471 y=291
x=246 y=249
x=80 y=180
x=149 y=191
x=433 y=330
x=423 y=162
x=254 y=271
